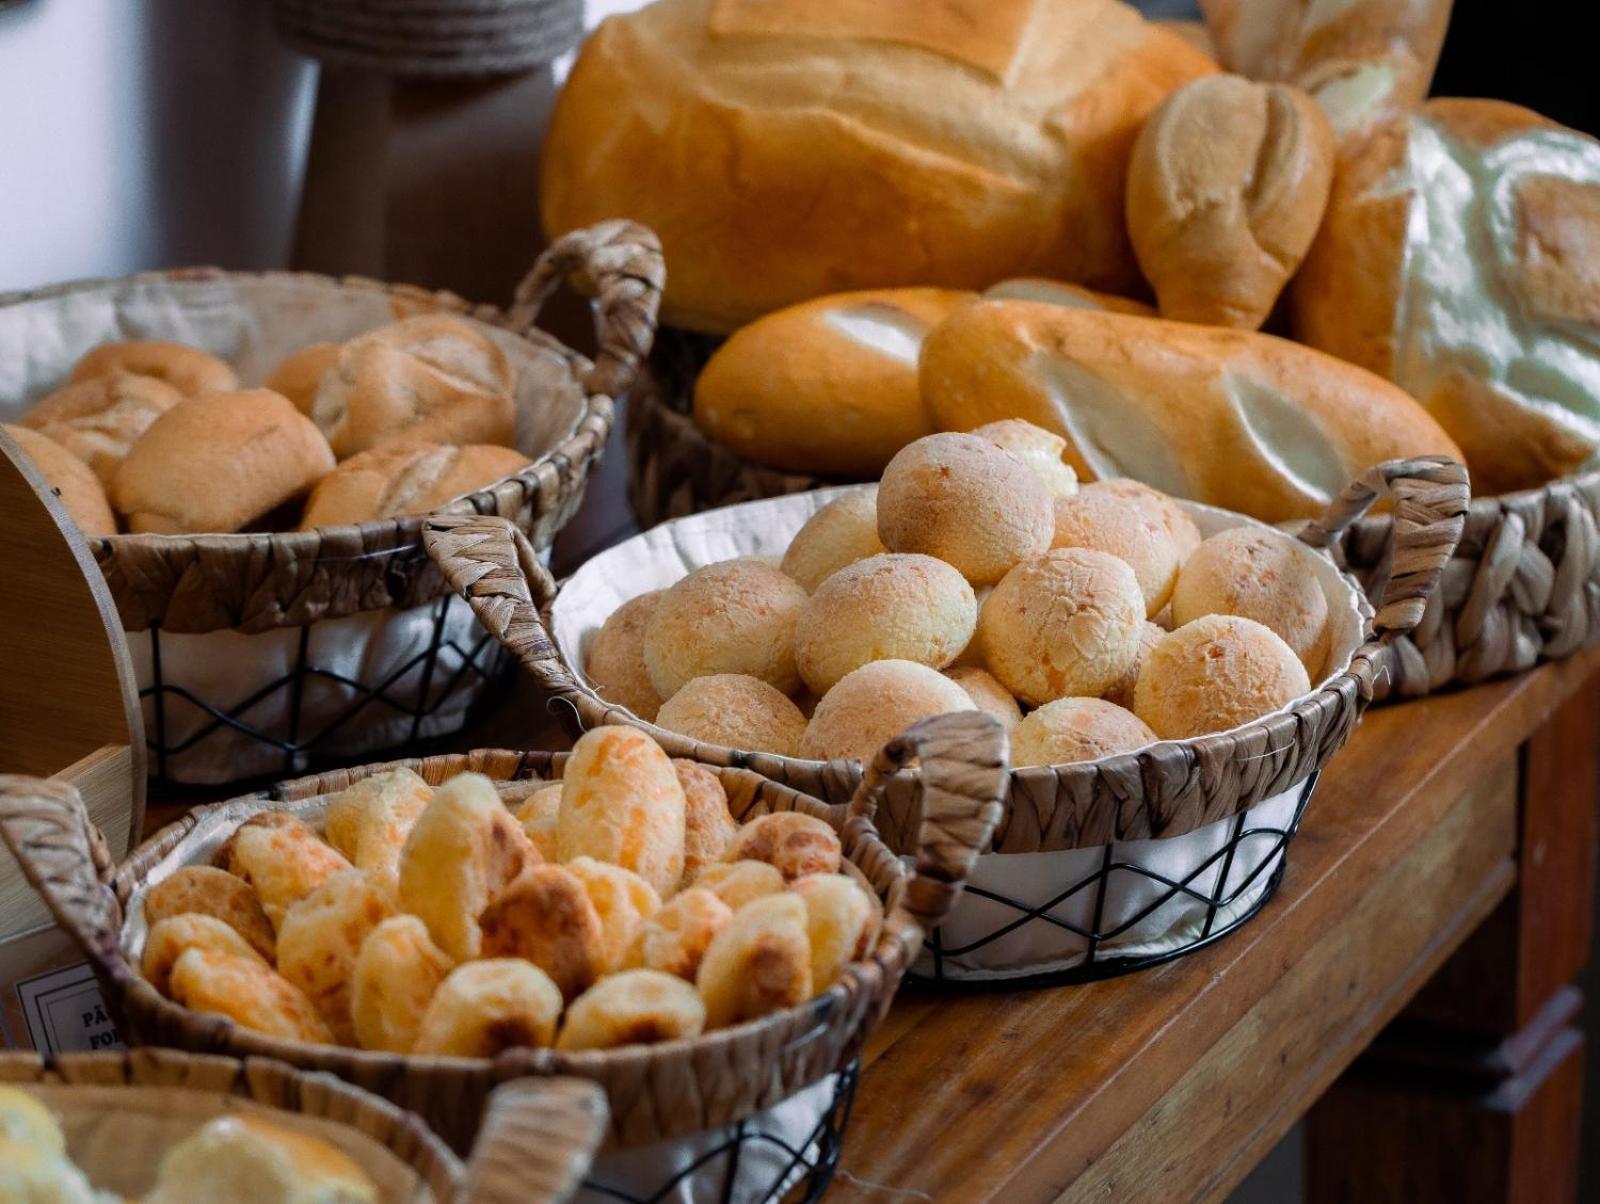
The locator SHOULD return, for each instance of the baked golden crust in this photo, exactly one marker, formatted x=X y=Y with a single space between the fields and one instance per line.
x=708 y=826
x=760 y=962
x=794 y=843
x=635 y=1007
x=170 y=938
x=394 y=978
x=621 y=802
x=206 y=890
x=545 y=917
x=321 y=937
x=72 y=479
x=284 y=862
x=615 y=662
x=409 y=478
x=99 y=419
x=187 y=369
x=247 y=991
x=487 y=1007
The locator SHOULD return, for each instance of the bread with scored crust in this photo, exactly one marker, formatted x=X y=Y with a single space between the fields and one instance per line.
x=405 y=478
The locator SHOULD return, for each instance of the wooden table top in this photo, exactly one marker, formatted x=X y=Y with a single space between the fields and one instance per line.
x=1172 y=1082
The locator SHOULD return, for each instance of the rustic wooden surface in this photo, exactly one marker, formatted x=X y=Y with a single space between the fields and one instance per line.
x=1170 y=1083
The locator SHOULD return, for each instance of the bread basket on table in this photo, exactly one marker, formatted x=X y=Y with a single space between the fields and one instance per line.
x=740 y=1113
x=1097 y=867
x=120 y=1112
x=262 y=654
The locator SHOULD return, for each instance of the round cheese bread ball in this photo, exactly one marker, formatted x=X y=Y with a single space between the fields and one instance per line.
x=1128 y=528
x=897 y=606
x=734 y=710
x=1039 y=449
x=1214 y=674
x=968 y=502
x=842 y=532
x=1077 y=729
x=1122 y=693
x=615 y=665
x=1178 y=523
x=737 y=616
x=875 y=703
x=987 y=694
x=1261 y=574
x=1063 y=623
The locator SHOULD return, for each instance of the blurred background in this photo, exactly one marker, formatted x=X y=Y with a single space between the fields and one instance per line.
x=146 y=133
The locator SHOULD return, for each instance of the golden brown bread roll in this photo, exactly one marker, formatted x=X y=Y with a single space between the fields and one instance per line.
x=615 y=664
x=425 y=379
x=976 y=139
x=187 y=369
x=1458 y=259
x=1237 y=419
x=545 y=917
x=247 y=991
x=1225 y=191
x=206 y=890
x=298 y=376
x=218 y=463
x=1060 y=292
x=238 y=1158
x=405 y=478
x=825 y=386
x=73 y=481
x=99 y=419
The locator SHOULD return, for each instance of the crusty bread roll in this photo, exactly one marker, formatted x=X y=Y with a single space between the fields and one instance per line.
x=1458 y=258
x=1363 y=60
x=187 y=369
x=425 y=379
x=826 y=386
x=99 y=419
x=299 y=376
x=219 y=462
x=1229 y=417
x=1059 y=292
x=243 y=1159
x=1228 y=182
x=73 y=480
x=784 y=149
x=405 y=478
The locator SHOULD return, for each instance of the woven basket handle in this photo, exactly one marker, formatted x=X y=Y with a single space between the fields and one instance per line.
x=963 y=760
x=620 y=263
x=1430 y=506
x=66 y=859
x=537 y=1140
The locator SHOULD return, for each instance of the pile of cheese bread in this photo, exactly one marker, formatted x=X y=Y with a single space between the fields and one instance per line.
x=839 y=187
x=978 y=574
x=620 y=905
x=157 y=437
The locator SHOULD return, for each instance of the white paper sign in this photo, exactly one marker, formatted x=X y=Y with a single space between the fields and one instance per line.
x=64 y=1013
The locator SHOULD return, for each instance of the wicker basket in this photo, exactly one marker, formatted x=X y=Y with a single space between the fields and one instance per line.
x=261 y=654
x=538 y=1137
x=712 y=1113
x=1132 y=855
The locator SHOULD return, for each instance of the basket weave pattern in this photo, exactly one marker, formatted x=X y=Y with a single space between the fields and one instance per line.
x=655 y=1092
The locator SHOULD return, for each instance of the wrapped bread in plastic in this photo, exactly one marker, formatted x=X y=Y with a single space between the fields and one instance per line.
x=206 y=890
x=734 y=710
x=675 y=939
x=1215 y=673
x=635 y=1007
x=540 y=817
x=545 y=917
x=987 y=694
x=392 y=982
x=247 y=991
x=73 y=481
x=369 y=821
x=842 y=532
x=708 y=825
x=622 y=900
x=1061 y=624
x=169 y=938
x=895 y=606
x=966 y=501
x=284 y=862
x=1135 y=534
x=1041 y=450
x=759 y=963
x=189 y=370
x=738 y=882
x=841 y=922
x=1076 y=729
x=1259 y=574
x=1122 y=692
x=621 y=802
x=486 y=1007
x=462 y=852
x=794 y=843
x=615 y=664
x=321 y=937
x=99 y=419
x=242 y=1159
x=736 y=616
x=875 y=703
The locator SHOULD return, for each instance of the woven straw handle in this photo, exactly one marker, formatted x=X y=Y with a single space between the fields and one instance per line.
x=620 y=263
x=66 y=859
x=963 y=769
x=1430 y=506
x=537 y=1141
